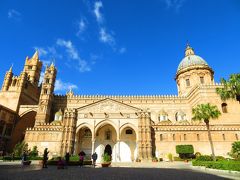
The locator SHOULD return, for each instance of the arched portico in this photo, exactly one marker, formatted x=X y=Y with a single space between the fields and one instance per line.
x=83 y=140
x=128 y=144
x=106 y=139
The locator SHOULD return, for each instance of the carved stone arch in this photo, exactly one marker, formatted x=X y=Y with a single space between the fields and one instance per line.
x=82 y=125
x=28 y=111
x=26 y=120
x=106 y=122
x=131 y=126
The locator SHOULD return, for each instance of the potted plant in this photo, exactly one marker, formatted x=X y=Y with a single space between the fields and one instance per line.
x=170 y=157
x=106 y=160
x=138 y=160
x=154 y=159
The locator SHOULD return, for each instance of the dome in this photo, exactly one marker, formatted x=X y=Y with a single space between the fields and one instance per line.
x=191 y=59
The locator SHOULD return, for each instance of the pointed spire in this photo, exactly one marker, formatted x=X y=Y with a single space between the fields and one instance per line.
x=189 y=50
x=52 y=65
x=10 y=69
x=35 y=56
x=70 y=92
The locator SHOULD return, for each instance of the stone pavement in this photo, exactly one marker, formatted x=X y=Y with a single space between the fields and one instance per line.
x=125 y=171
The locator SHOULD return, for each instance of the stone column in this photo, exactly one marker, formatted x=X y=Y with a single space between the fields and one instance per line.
x=118 y=142
x=69 y=130
x=144 y=142
x=93 y=146
x=140 y=136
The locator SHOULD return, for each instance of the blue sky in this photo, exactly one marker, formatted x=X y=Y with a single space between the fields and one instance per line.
x=119 y=46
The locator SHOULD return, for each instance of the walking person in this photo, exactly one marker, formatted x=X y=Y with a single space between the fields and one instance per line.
x=94 y=158
x=81 y=158
x=24 y=158
x=67 y=156
x=45 y=158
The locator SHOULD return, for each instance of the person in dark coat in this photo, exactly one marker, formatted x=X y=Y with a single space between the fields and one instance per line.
x=60 y=163
x=94 y=158
x=45 y=157
x=67 y=157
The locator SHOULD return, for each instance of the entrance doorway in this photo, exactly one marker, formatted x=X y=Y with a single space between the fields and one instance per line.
x=108 y=150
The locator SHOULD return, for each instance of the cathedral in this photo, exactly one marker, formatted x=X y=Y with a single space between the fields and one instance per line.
x=126 y=127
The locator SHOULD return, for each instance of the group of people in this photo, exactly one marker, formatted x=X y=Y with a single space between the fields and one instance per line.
x=61 y=164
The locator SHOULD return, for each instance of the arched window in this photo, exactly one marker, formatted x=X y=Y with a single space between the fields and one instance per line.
x=223 y=135
x=187 y=82
x=224 y=107
x=163 y=116
x=129 y=131
x=174 y=137
x=14 y=82
x=202 y=80
x=87 y=133
x=161 y=137
x=198 y=137
x=185 y=137
x=180 y=116
x=108 y=135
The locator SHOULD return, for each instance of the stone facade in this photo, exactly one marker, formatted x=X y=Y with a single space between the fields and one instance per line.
x=127 y=127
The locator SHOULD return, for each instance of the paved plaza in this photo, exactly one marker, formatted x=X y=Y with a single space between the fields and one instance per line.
x=140 y=171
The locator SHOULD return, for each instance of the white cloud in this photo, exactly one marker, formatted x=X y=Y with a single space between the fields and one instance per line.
x=48 y=54
x=174 y=4
x=63 y=86
x=41 y=51
x=97 y=6
x=74 y=55
x=82 y=25
x=105 y=37
x=122 y=50
x=13 y=14
x=72 y=52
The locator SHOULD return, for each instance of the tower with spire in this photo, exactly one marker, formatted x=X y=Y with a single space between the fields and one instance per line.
x=22 y=89
x=46 y=96
x=33 y=68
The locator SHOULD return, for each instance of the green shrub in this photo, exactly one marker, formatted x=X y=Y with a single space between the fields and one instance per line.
x=235 y=151
x=10 y=158
x=197 y=154
x=34 y=152
x=185 y=151
x=204 y=158
x=74 y=158
x=224 y=165
x=220 y=158
x=20 y=148
x=106 y=158
x=71 y=163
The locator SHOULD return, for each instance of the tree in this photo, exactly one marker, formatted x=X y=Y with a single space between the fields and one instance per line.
x=20 y=148
x=235 y=152
x=34 y=152
x=205 y=112
x=231 y=88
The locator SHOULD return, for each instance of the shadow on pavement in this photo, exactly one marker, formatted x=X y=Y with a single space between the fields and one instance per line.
x=35 y=172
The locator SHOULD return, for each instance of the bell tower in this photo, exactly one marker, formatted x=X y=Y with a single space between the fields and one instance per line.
x=33 y=68
x=46 y=96
x=7 y=79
